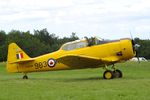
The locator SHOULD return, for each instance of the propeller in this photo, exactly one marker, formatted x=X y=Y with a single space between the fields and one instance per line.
x=135 y=48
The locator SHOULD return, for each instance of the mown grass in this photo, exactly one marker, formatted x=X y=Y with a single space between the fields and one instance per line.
x=85 y=84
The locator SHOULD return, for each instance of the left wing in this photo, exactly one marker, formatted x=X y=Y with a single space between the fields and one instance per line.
x=82 y=61
x=79 y=61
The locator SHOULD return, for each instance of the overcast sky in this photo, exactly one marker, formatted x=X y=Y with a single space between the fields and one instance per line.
x=109 y=19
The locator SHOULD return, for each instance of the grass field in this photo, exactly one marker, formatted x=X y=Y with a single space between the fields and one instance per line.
x=85 y=84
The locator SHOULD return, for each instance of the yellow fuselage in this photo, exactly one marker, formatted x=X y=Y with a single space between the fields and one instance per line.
x=100 y=51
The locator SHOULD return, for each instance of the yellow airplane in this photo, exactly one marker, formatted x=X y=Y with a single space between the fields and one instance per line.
x=79 y=54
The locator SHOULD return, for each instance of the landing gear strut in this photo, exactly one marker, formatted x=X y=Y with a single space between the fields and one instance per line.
x=108 y=74
x=25 y=77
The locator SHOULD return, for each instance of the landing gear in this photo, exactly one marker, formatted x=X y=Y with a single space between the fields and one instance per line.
x=117 y=73
x=25 y=77
x=108 y=74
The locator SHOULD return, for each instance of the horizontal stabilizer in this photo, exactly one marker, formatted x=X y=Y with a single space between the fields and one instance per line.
x=23 y=61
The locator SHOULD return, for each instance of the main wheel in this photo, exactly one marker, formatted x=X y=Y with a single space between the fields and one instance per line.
x=25 y=77
x=108 y=74
x=117 y=74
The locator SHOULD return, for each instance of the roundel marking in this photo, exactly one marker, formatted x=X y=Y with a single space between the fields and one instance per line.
x=51 y=62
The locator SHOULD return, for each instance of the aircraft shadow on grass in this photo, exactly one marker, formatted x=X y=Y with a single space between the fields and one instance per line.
x=66 y=79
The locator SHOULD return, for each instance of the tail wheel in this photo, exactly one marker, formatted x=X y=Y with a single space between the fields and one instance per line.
x=117 y=74
x=25 y=77
x=108 y=74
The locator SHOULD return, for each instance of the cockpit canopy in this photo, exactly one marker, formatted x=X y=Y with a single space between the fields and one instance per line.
x=83 y=43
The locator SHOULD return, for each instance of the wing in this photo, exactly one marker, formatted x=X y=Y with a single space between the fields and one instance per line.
x=81 y=61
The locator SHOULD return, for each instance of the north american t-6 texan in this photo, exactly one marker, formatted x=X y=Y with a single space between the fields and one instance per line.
x=79 y=54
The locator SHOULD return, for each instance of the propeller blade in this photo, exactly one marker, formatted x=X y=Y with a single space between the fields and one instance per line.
x=136 y=47
x=131 y=35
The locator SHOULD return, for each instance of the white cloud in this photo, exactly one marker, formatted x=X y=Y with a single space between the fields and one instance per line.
x=89 y=17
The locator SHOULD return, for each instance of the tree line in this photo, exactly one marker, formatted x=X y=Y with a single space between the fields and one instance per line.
x=38 y=43
x=42 y=42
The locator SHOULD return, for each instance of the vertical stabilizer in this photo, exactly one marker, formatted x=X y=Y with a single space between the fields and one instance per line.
x=15 y=53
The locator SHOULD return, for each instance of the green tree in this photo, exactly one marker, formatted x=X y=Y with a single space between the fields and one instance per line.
x=3 y=47
x=31 y=45
x=2 y=37
x=144 y=47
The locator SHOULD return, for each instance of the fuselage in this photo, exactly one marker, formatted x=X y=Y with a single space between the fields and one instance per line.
x=123 y=49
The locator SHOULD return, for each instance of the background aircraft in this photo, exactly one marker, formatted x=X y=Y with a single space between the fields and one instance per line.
x=79 y=54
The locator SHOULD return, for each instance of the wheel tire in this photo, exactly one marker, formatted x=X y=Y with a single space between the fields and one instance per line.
x=25 y=77
x=108 y=74
x=117 y=74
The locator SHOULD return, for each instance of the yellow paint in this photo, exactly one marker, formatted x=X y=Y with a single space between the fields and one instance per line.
x=83 y=57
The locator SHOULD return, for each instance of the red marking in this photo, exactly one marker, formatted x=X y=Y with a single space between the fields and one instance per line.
x=21 y=54
x=51 y=63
